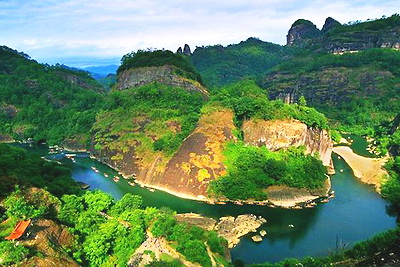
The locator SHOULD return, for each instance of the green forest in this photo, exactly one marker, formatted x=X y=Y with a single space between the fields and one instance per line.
x=105 y=232
x=46 y=103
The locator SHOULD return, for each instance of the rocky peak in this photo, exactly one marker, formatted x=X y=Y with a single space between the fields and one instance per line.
x=300 y=31
x=329 y=24
x=186 y=50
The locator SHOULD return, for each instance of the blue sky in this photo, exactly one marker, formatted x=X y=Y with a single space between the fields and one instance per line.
x=99 y=32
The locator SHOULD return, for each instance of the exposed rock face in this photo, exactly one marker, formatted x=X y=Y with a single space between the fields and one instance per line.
x=352 y=38
x=163 y=74
x=279 y=134
x=328 y=87
x=300 y=31
x=199 y=159
x=186 y=50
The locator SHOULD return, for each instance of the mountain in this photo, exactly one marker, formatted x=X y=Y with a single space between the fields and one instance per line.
x=166 y=130
x=45 y=103
x=219 y=65
x=348 y=72
x=338 y=38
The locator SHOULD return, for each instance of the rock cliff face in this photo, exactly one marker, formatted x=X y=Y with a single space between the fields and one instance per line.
x=328 y=87
x=164 y=74
x=301 y=31
x=337 y=38
x=199 y=159
x=279 y=134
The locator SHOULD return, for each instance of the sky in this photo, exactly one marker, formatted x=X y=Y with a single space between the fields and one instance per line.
x=84 y=33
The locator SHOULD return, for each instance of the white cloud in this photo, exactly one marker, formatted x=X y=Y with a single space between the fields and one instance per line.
x=52 y=29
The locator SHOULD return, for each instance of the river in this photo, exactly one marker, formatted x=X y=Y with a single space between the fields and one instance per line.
x=356 y=213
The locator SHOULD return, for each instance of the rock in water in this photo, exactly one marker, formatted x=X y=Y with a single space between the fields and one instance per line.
x=256 y=238
x=263 y=233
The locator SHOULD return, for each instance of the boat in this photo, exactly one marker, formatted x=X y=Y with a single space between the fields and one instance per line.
x=105 y=174
x=94 y=168
x=131 y=183
x=152 y=190
x=116 y=179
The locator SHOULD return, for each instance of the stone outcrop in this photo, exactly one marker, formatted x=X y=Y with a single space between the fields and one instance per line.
x=301 y=31
x=279 y=134
x=186 y=50
x=163 y=74
x=230 y=228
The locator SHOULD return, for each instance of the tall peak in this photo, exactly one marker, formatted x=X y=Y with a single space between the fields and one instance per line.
x=329 y=24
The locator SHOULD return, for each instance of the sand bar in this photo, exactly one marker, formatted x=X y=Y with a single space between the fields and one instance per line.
x=368 y=170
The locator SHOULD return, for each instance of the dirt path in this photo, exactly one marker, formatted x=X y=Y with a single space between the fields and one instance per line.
x=368 y=170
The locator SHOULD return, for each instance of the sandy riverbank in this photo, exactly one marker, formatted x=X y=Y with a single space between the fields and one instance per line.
x=368 y=170
x=287 y=197
x=285 y=203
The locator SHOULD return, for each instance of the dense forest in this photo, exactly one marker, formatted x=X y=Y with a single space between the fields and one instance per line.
x=105 y=232
x=45 y=103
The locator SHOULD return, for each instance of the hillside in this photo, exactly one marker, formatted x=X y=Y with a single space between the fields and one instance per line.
x=357 y=91
x=219 y=65
x=45 y=103
x=172 y=136
x=348 y=72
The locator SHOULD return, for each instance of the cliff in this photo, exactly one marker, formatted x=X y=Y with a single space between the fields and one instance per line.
x=198 y=160
x=337 y=38
x=302 y=32
x=166 y=74
x=278 y=134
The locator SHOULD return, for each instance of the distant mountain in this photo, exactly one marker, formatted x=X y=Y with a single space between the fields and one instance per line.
x=101 y=71
x=252 y=58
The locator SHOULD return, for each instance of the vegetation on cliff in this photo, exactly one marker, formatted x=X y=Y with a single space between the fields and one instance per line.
x=151 y=119
x=252 y=169
x=249 y=101
x=143 y=58
x=46 y=103
x=357 y=91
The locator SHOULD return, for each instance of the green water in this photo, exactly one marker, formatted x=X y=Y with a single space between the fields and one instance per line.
x=356 y=213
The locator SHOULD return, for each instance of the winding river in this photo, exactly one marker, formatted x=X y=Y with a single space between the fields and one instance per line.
x=356 y=213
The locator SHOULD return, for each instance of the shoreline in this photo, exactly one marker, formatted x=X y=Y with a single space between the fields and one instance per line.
x=367 y=170
x=299 y=202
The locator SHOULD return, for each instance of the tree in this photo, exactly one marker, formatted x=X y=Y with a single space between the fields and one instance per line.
x=97 y=200
x=302 y=101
